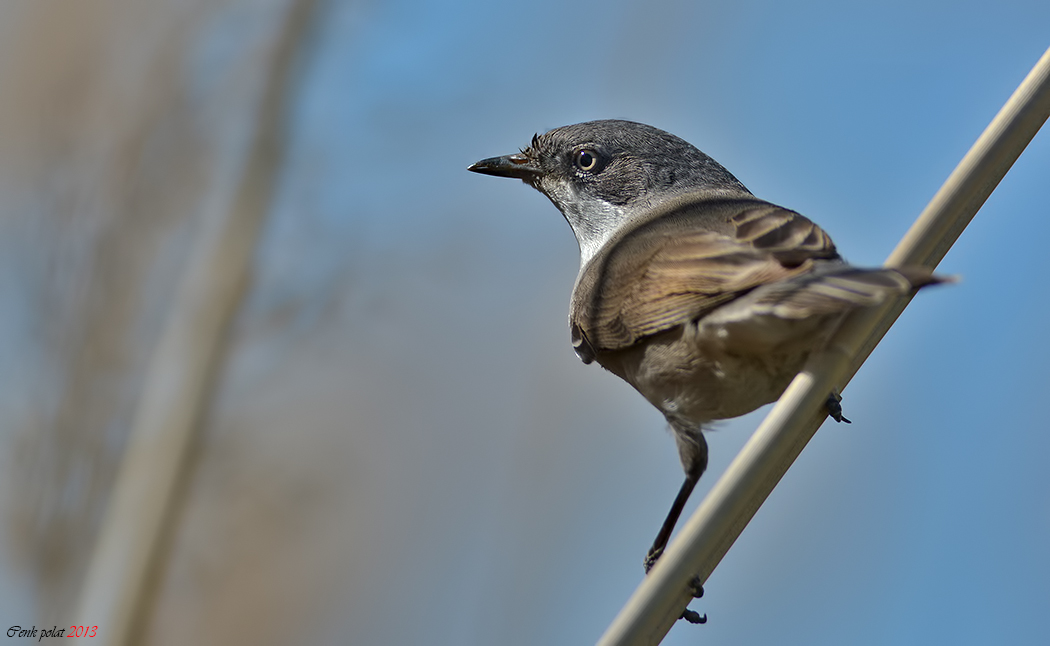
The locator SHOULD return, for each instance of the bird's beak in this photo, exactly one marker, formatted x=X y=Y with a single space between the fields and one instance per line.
x=517 y=165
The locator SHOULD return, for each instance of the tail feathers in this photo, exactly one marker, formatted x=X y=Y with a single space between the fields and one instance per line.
x=920 y=277
x=796 y=315
x=839 y=290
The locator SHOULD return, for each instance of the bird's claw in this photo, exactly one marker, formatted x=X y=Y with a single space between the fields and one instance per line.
x=693 y=616
x=651 y=558
x=834 y=406
x=696 y=587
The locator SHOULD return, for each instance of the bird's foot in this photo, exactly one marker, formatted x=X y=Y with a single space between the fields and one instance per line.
x=652 y=557
x=696 y=588
x=834 y=406
x=693 y=616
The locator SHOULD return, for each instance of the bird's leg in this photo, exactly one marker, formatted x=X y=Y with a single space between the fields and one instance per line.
x=693 y=450
x=660 y=543
x=834 y=406
x=672 y=518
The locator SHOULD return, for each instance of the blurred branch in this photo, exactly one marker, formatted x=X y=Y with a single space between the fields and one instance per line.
x=184 y=366
x=723 y=514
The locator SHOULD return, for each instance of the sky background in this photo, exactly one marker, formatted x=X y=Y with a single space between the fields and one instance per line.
x=471 y=482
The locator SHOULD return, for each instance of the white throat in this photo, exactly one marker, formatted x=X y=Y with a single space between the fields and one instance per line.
x=596 y=229
x=593 y=221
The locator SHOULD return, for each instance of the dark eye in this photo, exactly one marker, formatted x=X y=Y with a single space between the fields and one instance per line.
x=586 y=159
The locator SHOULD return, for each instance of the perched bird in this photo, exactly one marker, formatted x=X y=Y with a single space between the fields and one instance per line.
x=703 y=297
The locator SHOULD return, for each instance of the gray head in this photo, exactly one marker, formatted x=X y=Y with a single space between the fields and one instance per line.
x=600 y=174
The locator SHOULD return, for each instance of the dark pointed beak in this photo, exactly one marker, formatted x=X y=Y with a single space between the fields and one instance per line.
x=517 y=165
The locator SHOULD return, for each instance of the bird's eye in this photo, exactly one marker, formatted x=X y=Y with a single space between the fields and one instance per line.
x=586 y=159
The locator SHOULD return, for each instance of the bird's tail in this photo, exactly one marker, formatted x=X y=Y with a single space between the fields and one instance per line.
x=841 y=289
x=799 y=314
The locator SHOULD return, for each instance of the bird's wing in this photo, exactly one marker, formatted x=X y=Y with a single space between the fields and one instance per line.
x=685 y=262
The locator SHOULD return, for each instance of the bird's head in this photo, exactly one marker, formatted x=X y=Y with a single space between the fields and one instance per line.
x=602 y=174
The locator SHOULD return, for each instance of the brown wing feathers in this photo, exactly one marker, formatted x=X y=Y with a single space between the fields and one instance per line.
x=667 y=272
x=789 y=236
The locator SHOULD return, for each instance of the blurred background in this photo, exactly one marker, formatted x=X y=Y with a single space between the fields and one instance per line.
x=398 y=445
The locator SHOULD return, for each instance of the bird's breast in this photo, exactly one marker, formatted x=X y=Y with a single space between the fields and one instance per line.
x=690 y=383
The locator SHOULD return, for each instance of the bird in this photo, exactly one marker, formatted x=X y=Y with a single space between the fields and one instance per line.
x=704 y=298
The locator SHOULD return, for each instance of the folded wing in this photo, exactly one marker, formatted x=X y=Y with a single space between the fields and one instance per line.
x=686 y=261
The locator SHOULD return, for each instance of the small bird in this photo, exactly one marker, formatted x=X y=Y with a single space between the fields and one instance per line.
x=704 y=298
